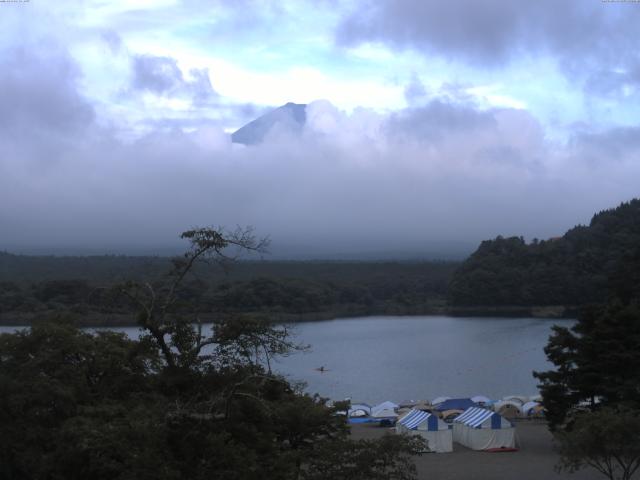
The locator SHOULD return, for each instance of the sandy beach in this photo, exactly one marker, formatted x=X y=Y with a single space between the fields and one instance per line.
x=534 y=461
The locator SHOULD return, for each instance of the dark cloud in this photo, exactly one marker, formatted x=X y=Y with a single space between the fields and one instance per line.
x=438 y=119
x=611 y=146
x=156 y=74
x=163 y=76
x=590 y=39
x=39 y=91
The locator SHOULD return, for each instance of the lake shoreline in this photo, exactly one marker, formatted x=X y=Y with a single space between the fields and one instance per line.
x=97 y=320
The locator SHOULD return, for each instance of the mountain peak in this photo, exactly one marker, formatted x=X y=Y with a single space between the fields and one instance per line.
x=290 y=116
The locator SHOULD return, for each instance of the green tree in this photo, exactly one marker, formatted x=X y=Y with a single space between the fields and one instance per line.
x=389 y=458
x=597 y=362
x=607 y=440
x=178 y=403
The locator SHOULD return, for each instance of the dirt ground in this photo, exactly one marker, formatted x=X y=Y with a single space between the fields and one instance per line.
x=534 y=461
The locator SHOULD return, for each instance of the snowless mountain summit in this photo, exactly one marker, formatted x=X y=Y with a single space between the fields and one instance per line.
x=290 y=117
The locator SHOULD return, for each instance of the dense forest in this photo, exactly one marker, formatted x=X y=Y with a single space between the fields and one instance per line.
x=579 y=268
x=32 y=286
x=503 y=276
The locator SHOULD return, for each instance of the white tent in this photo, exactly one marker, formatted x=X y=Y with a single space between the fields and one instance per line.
x=438 y=400
x=436 y=433
x=533 y=409
x=359 y=410
x=385 y=413
x=384 y=410
x=481 y=399
x=481 y=429
x=508 y=408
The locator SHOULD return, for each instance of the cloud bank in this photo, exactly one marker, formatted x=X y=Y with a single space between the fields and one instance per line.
x=592 y=41
x=432 y=179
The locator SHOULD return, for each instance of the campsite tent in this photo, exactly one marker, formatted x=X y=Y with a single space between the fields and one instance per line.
x=481 y=399
x=455 y=404
x=359 y=410
x=533 y=409
x=383 y=406
x=481 y=429
x=528 y=407
x=437 y=434
x=516 y=399
x=359 y=413
x=449 y=415
x=508 y=408
x=384 y=411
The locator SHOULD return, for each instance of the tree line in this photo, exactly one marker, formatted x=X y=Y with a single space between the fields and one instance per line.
x=294 y=289
x=582 y=267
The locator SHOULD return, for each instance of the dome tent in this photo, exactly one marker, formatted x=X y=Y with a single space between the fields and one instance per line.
x=508 y=408
x=385 y=411
x=438 y=400
x=533 y=409
x=436 y=433
x=481 y=399
x=481 y=429
x=455 y=404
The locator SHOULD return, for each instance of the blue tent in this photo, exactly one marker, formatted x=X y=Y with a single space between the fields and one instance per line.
x=455 y=404
x=481 y=429
x=435 y=432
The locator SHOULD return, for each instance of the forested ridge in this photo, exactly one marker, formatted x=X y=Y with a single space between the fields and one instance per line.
x=581 y=267
x=283 y=290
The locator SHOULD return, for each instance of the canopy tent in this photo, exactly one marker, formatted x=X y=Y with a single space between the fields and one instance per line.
x=455 y=404
x=438 y=400
x=481 y=399
x=385 y=412
x=481 y=429
x=383 y=408
x=436 y=433
x=508 y=408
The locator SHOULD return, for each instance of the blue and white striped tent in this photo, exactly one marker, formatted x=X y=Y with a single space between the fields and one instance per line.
x=475 y=417
x=437 y=433
x=481 y=429
x=418 y=418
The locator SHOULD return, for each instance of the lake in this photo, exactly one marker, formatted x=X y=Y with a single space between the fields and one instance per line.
x=401 y=358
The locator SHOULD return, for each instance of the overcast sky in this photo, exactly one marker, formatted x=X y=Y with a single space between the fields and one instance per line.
x=431 y=125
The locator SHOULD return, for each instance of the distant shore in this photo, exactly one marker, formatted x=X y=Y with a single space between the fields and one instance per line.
x=98 y=319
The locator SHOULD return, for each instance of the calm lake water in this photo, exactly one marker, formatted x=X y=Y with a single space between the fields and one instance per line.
x=400 y=358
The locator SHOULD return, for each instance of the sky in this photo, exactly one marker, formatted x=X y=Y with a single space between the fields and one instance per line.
x=430 y=125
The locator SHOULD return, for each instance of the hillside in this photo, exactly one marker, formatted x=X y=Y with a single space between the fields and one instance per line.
x=34 y=286
x=586 y=265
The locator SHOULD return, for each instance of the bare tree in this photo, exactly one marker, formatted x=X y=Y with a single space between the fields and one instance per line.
x=181 y=340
